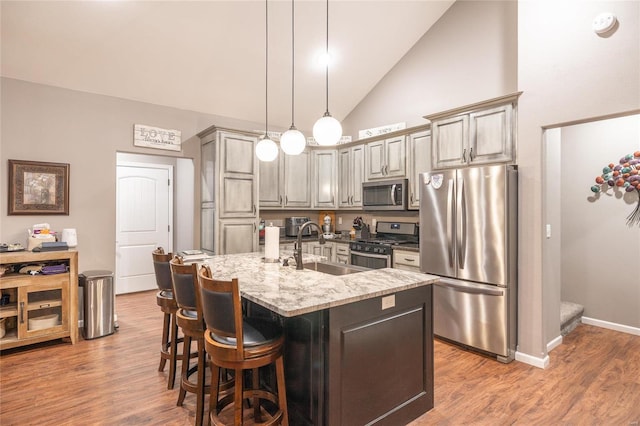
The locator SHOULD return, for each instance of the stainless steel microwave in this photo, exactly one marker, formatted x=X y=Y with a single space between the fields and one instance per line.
x=385 y=195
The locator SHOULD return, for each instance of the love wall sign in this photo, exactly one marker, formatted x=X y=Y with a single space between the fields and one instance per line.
x=155 y=137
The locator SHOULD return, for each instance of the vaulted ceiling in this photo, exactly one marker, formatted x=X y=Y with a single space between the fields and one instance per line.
x=209 y=56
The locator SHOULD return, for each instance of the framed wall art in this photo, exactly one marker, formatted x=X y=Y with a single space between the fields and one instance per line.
x=38 y=188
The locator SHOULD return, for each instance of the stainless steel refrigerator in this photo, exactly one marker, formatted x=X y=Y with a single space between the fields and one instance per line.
x=468 y=236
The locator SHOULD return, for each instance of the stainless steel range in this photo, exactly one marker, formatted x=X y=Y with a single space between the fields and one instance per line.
x=376 y=252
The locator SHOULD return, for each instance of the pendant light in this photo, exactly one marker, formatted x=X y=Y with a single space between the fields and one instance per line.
x=327 y=130
x=293 y=141
x=266 y=149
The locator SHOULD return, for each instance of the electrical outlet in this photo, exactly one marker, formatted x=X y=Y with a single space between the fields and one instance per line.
x=388 y=302
x=339 y=220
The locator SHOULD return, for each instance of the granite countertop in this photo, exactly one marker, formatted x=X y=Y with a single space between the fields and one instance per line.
x=285 y=240
x=289 y=292
x=408 y=247
x=344 y=240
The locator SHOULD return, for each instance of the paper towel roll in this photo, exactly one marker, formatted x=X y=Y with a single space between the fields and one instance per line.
x=271 y=243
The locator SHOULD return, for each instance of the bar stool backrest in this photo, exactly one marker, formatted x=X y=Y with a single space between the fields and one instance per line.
x=161 y=268
x=184 y=279
x=221 y=306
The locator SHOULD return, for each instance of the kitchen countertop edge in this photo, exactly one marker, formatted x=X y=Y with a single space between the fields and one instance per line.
x=290 y=293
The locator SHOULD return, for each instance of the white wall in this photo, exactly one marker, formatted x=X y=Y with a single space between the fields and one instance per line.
x=469 y=55
x=44 y=123
x=552 y=243
x=600 y=253
x=566 y=73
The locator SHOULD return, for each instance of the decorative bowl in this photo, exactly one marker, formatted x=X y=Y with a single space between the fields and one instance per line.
x=45 y=321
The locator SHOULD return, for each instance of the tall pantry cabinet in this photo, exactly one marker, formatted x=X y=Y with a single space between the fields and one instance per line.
x=229 y=191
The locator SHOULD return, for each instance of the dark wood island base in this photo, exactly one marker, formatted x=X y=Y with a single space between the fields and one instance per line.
x=367 y=362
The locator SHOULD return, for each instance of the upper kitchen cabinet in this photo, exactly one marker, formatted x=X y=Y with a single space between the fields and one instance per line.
x=286 y=181
x=350 y=176
x=271 y=186
x=419 y=159
x=229 y=170
x=238 y=172
x=325 y=180
x=297 y=180
x=386 y=158
x=480 y=133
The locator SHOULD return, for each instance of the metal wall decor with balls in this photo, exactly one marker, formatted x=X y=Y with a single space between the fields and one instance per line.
x=625 y=175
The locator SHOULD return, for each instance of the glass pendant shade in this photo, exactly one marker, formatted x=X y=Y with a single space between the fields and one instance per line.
x=292 y=141
x=327 y=130
x=266 y=149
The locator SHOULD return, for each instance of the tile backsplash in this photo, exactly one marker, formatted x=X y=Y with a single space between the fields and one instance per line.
x=276 y=217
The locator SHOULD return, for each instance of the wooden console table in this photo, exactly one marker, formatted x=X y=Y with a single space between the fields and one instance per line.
x=33 y=298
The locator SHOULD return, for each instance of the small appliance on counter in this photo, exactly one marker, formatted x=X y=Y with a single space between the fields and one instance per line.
x=326 y=227
x=292 y=226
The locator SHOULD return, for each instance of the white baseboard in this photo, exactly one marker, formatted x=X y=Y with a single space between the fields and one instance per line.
x=554 y=343
x=532 y=360
x=611 y=326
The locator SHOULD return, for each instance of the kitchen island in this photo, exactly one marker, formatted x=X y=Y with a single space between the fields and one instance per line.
x=359 y=347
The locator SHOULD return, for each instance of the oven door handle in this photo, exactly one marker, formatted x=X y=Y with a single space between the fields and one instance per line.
x=375 y=256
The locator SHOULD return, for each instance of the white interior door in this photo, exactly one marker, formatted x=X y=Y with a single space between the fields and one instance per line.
x=144 y=215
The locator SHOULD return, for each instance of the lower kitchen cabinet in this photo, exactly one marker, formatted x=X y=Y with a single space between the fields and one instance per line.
x=237 y=236
x=343 y=253
x=407 y=260
x=314 y=247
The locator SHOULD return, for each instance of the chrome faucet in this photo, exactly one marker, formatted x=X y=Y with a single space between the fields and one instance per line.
x=297 y=253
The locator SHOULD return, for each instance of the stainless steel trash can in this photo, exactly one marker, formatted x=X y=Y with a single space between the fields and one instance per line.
x=98 y=303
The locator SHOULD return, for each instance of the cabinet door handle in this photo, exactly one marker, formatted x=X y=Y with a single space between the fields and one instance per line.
x=351 y=199
x=471 y=154
x=412 y=198
x=464 y=155
x=332 y=199
x=409 y=260
x=21 y=312
x=280 y=199
x=286 y=200
x=254 y=209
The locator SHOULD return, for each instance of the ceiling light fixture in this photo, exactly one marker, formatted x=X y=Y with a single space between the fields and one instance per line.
x=293 y=141
x=327 y=130
x=266 y=149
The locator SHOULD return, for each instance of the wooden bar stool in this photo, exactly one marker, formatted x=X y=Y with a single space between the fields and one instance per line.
x=164 y=299
x=238 y=343
x=189 y=318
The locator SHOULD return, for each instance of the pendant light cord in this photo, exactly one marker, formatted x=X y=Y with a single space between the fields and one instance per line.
x=293 y=60
x=327 y=60
x=266 y=71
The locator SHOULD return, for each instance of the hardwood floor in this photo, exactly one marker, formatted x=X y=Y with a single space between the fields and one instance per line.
x=593 y=379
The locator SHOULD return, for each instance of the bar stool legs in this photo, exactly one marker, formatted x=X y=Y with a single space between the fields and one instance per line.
x=200 y=388
x=170 y=340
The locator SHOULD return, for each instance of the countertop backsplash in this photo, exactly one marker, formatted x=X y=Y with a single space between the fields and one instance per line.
x=277 y=217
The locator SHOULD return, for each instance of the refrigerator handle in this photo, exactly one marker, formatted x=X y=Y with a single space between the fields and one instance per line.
x=469 y=289
x=452 y=223
x=461 y=237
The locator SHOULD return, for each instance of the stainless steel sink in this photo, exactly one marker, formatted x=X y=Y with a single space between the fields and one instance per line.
x=333 y=268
